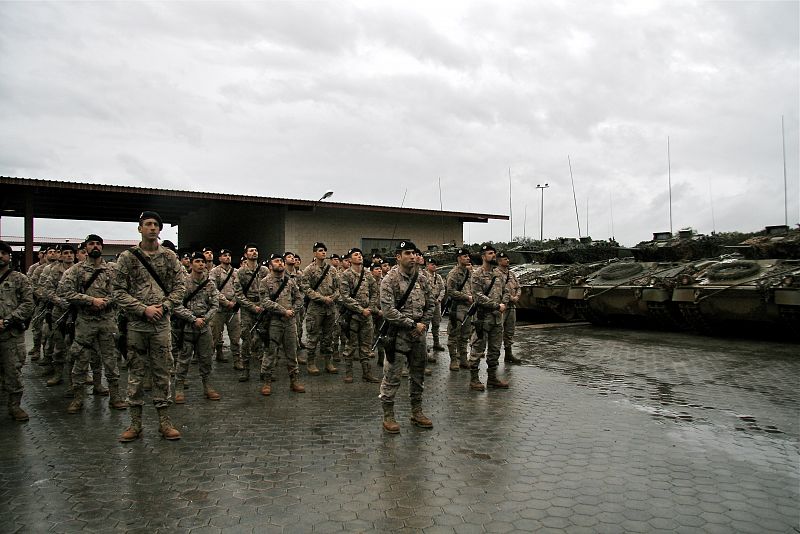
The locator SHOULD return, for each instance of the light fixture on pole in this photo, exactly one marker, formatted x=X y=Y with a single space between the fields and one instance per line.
x=541 y=223
x=327 y=194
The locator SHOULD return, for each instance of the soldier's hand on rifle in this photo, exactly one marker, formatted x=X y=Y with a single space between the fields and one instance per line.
x=327 y=300
x=469 y=299
x=199 y=322
x=366 y=312
x=259 y=309
x=502 y=308
x=2 y=325
x=230 y=304
x=98 y=304
x=154 y=312
x=289 y=313
x=419 y=330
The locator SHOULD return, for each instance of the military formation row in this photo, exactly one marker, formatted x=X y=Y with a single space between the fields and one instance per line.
x=155 y=308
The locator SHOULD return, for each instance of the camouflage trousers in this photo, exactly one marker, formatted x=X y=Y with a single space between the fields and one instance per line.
x=252 y=345
x=509 y=325
x=36 y=329
x=282 y=339
x=10 y=366
x=457 y=335
x=320 y=322
x=407 y=349
x=196 y=342
x=149 y=349
x=487 y=337
x=58 y=342
x=94 y=341
x=359 y=341
x=300 y=317
x=376 y=331
x=225 y=319
x=436 y=321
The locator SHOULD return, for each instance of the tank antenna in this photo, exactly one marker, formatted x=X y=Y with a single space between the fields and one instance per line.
x=574 y=198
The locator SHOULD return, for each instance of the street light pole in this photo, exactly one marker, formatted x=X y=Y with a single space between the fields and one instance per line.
x=327 y=194
x=541 y=223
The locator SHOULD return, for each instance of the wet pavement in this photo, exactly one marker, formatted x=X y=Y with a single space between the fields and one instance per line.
x=603 y=430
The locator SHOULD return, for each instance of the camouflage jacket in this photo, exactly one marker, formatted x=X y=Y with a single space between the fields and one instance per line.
x=329 y=287
x=49 y=282
x=255 y=293
x=290 y=297
x=35 y=279
x=16 y=303
x=205 y=303
x=456 y=278
x=488 y=303
x=365 y=297
x=417 y=309
x=32 y=268
x=512 y=285
x=134 y=289
x=437 y=286
x=71 y=288
x=227 y=293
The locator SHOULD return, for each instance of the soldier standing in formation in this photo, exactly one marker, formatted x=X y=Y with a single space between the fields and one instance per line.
x=193 y=317
x=407 y=305
x=282 y=300
x=222 y=276
x=59 y=312
x=358 y=294
x=16 y=309
x=41 y=330
x=490 y=296
x=87 y=288
x=148 y=285
x=459 y=295
x=439 y=291
x=510 y=318
x=247 y=285
x=320 y=284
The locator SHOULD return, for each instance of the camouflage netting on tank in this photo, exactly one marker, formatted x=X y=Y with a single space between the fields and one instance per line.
x=679 y=249
x=618 y=271
x=732 y=270
x=785 y=246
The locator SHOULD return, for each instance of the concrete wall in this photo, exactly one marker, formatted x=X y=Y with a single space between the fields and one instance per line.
x=226 y=225
x=341 y=229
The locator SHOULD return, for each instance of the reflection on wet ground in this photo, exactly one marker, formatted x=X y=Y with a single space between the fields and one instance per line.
x=602 y=430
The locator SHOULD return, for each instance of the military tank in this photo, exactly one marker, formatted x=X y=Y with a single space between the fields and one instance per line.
x=544 y=288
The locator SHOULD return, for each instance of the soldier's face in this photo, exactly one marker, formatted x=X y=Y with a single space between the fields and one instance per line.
x=277 y=265
x=67 y=256
x=503 y=262
x=92 y=246
x=346 y=264
x=42 y=255
x=406 y=258
x=320 y=254
x=149 y=229
x=335 y=262
x=208 y=255
x=5 y=258
x=186 y=262
x=289 y=259
x=376 y=272
x=52 y=254
x=385 y=268
x=356 y=258
x=198 y=266
x=463 y=260
x=431 y=267
x=251 y=254
x=81 y=254
x=225 y=258
x=297 y=263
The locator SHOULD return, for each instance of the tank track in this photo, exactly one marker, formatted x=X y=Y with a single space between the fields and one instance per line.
x=664 y=316
x=696 y=321
x=583 y=308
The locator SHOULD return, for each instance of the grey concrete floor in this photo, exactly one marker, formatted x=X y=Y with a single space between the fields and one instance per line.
x=602 y=430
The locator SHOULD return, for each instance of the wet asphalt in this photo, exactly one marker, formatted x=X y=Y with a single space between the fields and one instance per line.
x=602 y=430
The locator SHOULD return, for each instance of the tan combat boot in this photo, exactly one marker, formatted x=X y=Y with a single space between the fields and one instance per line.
x=97 y=384
x=133 y=432
x=114 y=399
x=57 y=377
x=209 y=392
x=312 y=368
x=77 y=402
x=454 y=365
x=510 y=358
x=418 y=418
x=389 y=423
x=14 y=409
x=165 y=427
x=475 y=383
x=366 y=374
x=295 y=384
x=494 y=382
x=329 y=367
x=266 y=389
x=348 y=371
x=180 y=395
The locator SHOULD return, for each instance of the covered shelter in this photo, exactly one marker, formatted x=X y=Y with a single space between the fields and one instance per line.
x=221 y=220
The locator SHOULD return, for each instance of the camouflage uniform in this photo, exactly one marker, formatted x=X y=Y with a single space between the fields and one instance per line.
x=36 y=326
x=377 y=321
x=510 y=319
x=94 y=329
x=417 y=309
x=198 y=341
x=437 y=284
x=320 y=317
x=458 y=335
x=278 y=331
x=355 y=326
x=300 y=314
x=149 y=343
x=16 y=308
x=226 y=317
x=40 y=325
x=251 y=345
x=488 y=318
x=59 y=336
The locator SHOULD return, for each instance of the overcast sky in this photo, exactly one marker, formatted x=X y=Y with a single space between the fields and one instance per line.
x=369 y=99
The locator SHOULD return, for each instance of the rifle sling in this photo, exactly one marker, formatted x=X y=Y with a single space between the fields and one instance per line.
x=91 y=280
x=188 y=298
x=250 y=282
x=3 y=278
x=230 y=273
x=404 y=298
x=273 y=297
x=153 y=273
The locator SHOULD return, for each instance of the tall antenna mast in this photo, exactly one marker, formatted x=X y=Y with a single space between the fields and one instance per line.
x=785 y=198
x=711 y=200
x=577 y=218
x=510 y=217
x=441 y=208
x=398 y=219
x=587 y=216
x=611 y=210
x=669 y=178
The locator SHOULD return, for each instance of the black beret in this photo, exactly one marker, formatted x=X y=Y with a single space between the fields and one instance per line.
x=187 y=256
x=208 y=249
x=250 y=245
x=487 y=248
x=224 y=251
x=287 y=253
x=94 y=237
x=297 y=257
x=375 y=266
x=502 y=255
x=66 y=246
x=275 y=256
x=43 y=248
x=405 y=245
x=335 y=257
x=433 y=261
x=169 y=244
x=462 y=252
x=151 y=215
x=318 y=245
x=82 y=245
x=53 y=247
x=354 y=249
x=5 y=247
x=198 y=256
x=376 y=256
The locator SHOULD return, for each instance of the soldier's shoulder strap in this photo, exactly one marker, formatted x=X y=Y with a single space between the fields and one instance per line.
x=250 y=282
x=278 y=292
x=409 y=289
x=91 y=280
x=188 y=298
x=358 y=285
x=321 y=277
x=146 y=264
x=3 y=278
x=230 y=273
x=464 y=282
